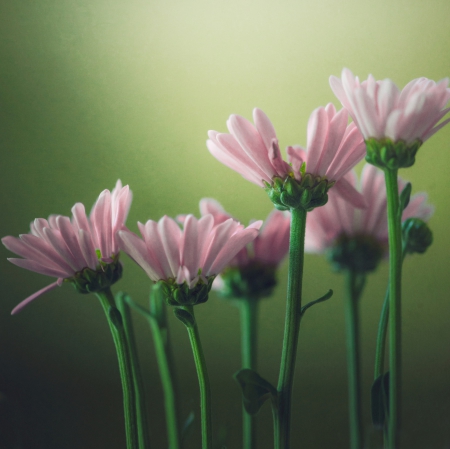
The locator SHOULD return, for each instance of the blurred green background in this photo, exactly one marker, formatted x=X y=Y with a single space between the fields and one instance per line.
x=95 y=90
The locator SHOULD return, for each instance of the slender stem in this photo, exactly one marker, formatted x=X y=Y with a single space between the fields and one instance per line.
x=395 y=275
x=203 y=380
x=353 y=358
x=382 y=331
x=159 y=330
x=249 y=311
x=292 y=326
x=126 y=371
x=141 y=408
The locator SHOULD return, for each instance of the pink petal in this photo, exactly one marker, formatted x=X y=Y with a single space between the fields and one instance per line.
x=88 y=249
x=349 y=193
x=250 y=140
x=190 y=255
x=132 y=245
x=31 y=298
x=233 y=245
x=38 y=268
x=317 y=134
x=170 y=237
x=155 y=247
x=71 y=240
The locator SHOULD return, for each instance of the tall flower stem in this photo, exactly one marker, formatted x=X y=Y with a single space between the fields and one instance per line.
x=203 y=379
x=355 y=283
x=141 y=408
x=395 y=275
x=158 y=326
x=291 y=327
x=249 y=315
x=125 y=366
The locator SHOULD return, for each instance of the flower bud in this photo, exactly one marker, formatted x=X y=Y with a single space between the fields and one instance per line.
x=417 y=236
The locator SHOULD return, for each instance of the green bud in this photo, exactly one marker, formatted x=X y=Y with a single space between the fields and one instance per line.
x=386 y=154
x=359 y=253
x=417 y=236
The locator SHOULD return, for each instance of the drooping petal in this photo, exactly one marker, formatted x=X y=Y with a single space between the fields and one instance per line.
x=31 y=298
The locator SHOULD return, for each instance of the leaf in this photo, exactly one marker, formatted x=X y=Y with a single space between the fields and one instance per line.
x=255 y=390
x=380 y=400
x=323 y=298
x=404 y=197
x=184 y=316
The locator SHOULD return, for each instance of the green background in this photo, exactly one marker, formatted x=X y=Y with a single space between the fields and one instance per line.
x=95 y=90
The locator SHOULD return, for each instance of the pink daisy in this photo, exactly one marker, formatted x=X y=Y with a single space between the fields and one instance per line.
x=333 y=148
x=339 y=221
x=186 y=259
x=381 y=110
x=68 y=248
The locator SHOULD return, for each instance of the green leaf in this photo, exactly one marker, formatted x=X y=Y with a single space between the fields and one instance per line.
x=255 y=390
x=380 y=401
x=187 y=427
x=323 y=298
x=184 y=316
x=405 y=196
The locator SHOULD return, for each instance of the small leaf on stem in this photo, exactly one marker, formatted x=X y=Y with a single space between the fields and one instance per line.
x=380 y=400
x=323 y=298
x=255 y=390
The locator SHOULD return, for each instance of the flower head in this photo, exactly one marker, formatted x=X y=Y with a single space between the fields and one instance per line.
x=187 y=259
x=333 y=149
x=251 y=273
x=383 y=112
x=80 y=250
x=359 y=238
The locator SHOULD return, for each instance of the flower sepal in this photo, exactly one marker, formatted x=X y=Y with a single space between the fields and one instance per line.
x=358 y=253
x=91 y=281
x=182 y=295
x=386 y=154
x=308 y=193
x=417 y=235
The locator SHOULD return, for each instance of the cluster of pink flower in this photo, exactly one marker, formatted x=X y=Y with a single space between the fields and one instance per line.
x=64 y=247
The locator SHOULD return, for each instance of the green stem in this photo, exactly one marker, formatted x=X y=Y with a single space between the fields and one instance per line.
x=382 y=331
x=141 y=408
x=292 y=327
x=395 y=275
x=158 y=326
x=353 y=356
x=249 y=312
x=203 y=380
x=126 y=371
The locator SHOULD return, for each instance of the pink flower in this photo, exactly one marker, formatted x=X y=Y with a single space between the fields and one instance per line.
x=202 y=249
x=324 y=226
x=62 y=247
x=252 y=150
x=381 y=110
x=270 y=247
